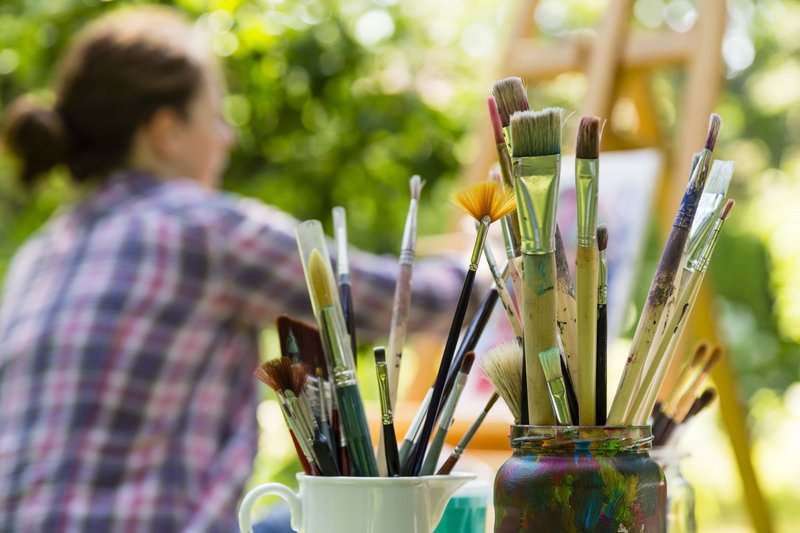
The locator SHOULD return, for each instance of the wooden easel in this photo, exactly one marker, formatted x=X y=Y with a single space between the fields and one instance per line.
x=617 y=61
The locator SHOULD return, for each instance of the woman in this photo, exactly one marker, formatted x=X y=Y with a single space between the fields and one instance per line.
x=129 y=322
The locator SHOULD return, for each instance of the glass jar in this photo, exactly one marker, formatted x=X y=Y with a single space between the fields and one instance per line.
x=580 y=479
x=680 y=494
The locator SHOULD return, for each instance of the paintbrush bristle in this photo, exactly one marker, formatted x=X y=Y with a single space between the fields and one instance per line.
x=714 y=125
x=536 y=133
x=307 y=338
x=727 y=209
x=588 y=143
x=497 y=122
x=320 y=282
x=416 y=184
x=486 y=198
x=503 y=366
x=551 y=364
x=281 y=374
x=466 y=363
x=708 y=396
x=510 y=97
x=602 y=237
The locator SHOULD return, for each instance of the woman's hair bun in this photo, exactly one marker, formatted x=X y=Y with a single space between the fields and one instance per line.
x=35 y=134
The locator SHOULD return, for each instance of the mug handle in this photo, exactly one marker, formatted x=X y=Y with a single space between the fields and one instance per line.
x=279 y=489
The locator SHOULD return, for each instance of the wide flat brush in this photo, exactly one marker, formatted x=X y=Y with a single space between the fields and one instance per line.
x=536 y=145
x=663 y=283
x=487 y=202
x=587 y=264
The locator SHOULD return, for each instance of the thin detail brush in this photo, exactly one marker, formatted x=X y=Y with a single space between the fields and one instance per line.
x=446 y=419
x=536 y=143
x=511 y=232
x=601 y=389
x=587 y=264
x=458 y=451
x=343 y=276
x=662 y=285
x=402 y=303
x=566 y=309
x=387 y=417
x=486 y=202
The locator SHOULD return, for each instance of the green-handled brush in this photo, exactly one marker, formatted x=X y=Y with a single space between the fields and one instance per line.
x=551 y=365
x=536 y=151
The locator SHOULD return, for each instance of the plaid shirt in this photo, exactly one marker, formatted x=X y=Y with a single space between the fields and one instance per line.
x=128 y=334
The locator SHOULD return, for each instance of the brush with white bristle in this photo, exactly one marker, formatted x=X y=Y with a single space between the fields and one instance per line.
x=503 y=366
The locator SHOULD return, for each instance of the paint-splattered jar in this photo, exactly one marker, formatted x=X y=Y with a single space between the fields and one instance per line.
x=580 y=479
x=680 y=494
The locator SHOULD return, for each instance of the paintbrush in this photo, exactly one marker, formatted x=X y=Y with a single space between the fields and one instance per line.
x=468 y=343
x=516 y=95
x=662 y=285
x=567 y=309
x=301 y=340
x=387 y=417
x=458 y=451
x=335 y=341
x=343 y=276
x=694 y=271
x=280 y=375
x=536 y=144
x=278 y=381
x=401 y=304
x=503 y=366
x=601 y=408
x=502 y=291
x=301 y=406
x=551 y=365
x=446 y=419
x=572 y=398
x=669 y=425
x=700 y=355
x=685 y=404
x=486 y=202
x=510 y=97
x=402 y=291
x=587 y=261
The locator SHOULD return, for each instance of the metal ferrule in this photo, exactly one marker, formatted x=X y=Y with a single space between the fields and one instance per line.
x=700 y=261
x=343 y=372
x=387 y=417
x=536 y=189
x=407 y=253
x=685 y=215
x=708 y=211
x=509 y=240
x=558 y=399
x=480 y=240
x=602 y=289
x=586 y=183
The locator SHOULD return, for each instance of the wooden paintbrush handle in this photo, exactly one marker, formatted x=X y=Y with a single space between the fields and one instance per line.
x=539 y=322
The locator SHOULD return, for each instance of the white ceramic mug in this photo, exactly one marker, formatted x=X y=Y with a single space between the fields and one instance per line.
x=361 y=505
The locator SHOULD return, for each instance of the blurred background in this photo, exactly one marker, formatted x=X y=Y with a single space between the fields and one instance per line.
x=338 y=102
